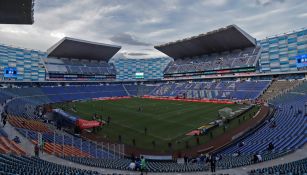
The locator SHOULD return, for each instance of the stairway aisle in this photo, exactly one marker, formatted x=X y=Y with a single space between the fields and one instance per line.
x=25 y=143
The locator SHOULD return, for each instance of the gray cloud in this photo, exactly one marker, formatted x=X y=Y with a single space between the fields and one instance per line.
x=136 y=54
x=268 y=2
x=117 y=56
x=138 y=25
x=125 y=38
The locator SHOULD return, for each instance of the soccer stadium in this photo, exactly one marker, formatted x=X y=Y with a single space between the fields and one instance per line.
x=221 y=101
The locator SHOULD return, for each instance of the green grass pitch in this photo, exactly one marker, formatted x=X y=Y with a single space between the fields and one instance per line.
x=166 y=121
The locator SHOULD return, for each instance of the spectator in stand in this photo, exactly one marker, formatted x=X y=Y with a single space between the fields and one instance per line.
x=36 y=150
x=241 y=144
x=59 y=124
x=255 y=158
x=137 y=164
x=42 y=146
x=185 y=158
x=202 y=158
x=220 y=157
x=132 y=158
x=1 y=115
x=143 y=165
x=271 y=146
x=197 y=159
x=132 y=166
x=267 y=121
x=4 y=119
x=16 y=140
x=62 y=148
x=273 y=124
x=212 y=163
x=236 y=154
x=259 y=157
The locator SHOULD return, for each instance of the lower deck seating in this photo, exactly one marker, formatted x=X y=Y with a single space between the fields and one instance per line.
x=279 y=87
x=12 y=165
x=297 y=167
x=139 y=90
x=25 y=100
x=229 y=161
x=69 y=93
x=33 y=125
x=235 y=90
x=67 y=145
x=9 y=146
x=63 y=150
x=226 y=162
x=152 y=166
x=286 y=130
x=23 y=165
x=3 y=96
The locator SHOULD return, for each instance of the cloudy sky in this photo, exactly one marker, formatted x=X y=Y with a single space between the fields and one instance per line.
x=138 y=25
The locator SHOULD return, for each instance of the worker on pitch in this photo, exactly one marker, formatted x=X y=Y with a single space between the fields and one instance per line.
x=145 y=131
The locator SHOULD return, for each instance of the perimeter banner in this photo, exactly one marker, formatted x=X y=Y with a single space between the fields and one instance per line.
x=86 y=124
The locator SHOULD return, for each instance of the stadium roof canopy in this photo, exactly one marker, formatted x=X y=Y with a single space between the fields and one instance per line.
x=220 y=40
x=16 y=11
x=81 y=49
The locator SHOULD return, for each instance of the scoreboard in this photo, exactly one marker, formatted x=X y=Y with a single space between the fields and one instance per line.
x=139 y=75
x=301 y=61
x=10 y=72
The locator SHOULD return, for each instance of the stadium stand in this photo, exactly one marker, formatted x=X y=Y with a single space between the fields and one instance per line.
x=11 y=164
x=139 y=90
x=213 y=90
x=66 y=145
x=284 y=140
x=285 y=130
x=296 y=167
x=278 y=88
x=28 y=63
x=85 y=67
x=3 y=96
x=68 y=93
x=153 y=166
x=75 y=59
x=279 y=52
x=208 y=54
x=215 y=61
x=231 y=161
x=33 y=125
x=172 y=166
x=26 y=99
x=9 y=146
x=152 y=68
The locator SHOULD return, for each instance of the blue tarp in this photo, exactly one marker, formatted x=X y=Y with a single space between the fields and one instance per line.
x=65 y=116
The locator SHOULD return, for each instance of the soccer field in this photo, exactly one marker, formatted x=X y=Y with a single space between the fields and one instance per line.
x=166 y=121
